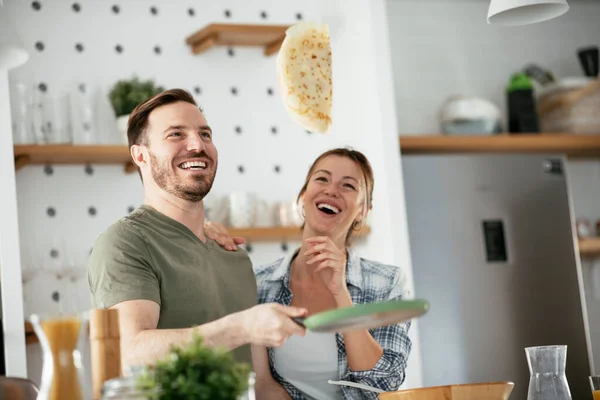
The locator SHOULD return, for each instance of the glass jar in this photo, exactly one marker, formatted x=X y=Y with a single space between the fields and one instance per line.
x=123 y=388
x=250 y=394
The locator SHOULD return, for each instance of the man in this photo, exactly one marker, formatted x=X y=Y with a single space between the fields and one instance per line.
x=157 y=267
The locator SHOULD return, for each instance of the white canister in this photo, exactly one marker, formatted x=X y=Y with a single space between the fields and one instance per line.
x=216 y=209
x=290 y=214
x=242 y=209
x=265 y=214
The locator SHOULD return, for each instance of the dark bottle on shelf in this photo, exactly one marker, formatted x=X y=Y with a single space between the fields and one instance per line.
x=521 y=106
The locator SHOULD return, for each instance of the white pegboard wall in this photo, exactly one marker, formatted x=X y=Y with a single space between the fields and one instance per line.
x=114 y=45
x=95 y=43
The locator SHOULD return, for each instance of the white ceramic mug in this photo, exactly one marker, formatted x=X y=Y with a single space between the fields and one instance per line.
x=242 y=209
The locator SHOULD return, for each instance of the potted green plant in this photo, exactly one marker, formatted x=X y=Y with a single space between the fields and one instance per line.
x=126 y=94
x=198 y=372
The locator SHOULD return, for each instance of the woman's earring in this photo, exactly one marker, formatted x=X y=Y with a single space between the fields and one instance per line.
x=357 y=225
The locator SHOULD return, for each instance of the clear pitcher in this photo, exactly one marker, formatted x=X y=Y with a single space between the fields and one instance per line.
x=547 y=379
x=61 y=338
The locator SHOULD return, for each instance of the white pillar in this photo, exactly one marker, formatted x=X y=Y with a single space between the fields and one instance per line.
x=364 y=116
x=10 y=257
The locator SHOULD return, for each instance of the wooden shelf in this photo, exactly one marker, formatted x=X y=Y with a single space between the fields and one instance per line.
x=70 y=154
x=30 y=336
x=569 y=144
x=589 y=247
x=270 y=37
x=276 y=233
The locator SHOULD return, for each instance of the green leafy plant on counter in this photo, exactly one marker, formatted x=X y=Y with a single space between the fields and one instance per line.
x=126 y=94
x=195 y=371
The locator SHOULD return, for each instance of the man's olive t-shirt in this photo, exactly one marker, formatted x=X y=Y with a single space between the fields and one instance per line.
x=147 y=255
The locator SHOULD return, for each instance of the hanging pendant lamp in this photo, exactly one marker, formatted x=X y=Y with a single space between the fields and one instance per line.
x=524 y=12
x=12 y=51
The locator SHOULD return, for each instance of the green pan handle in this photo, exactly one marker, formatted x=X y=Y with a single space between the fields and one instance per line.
x=300 y=321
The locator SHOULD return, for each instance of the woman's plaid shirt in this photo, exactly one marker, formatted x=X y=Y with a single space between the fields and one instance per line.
x=368 y=281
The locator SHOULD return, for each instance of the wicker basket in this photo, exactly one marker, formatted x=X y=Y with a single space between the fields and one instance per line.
x=570 y=108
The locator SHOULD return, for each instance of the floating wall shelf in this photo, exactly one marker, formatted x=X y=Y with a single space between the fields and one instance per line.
x=69 y=154
x=270 y=37
x=589 y=247
x=569 y=144
x=30 y=336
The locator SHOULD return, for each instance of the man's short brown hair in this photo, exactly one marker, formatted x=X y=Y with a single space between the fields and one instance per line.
x=138 y=120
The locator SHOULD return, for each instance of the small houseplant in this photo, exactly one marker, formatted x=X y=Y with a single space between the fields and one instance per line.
x=198 y=372
x=126 y=94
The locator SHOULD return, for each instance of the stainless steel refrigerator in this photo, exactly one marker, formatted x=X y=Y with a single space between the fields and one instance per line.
x=494 y=251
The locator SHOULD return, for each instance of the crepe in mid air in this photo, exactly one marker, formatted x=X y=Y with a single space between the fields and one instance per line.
x=304 y=75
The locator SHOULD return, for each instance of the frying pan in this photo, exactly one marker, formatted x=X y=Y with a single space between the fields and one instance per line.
x=364 y=316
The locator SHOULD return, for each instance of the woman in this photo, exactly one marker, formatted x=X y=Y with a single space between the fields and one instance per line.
x=323 y=274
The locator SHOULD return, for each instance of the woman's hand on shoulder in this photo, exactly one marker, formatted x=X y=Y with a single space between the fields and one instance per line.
x=218 y=233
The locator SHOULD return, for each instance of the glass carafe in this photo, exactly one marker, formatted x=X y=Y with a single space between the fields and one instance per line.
x=547 y=379
x=61 y=338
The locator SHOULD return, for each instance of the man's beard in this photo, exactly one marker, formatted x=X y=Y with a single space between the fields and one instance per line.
x=166 y=178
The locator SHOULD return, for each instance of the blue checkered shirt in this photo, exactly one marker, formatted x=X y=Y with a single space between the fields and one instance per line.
x=368 y=281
